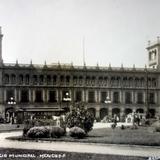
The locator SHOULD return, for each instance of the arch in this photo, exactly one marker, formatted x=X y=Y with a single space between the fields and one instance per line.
x=6 y=79
x=92 y=111
x=125 y=81
x=103 y=112
x=130 y=80
x=54 y=79
x=140 y=110
x=20 y=79
x=93 y=80
x=61 y=78
x=152 y=113
x=48 y=79
x=88 y=80
x=80 y=79
x=100 y=80
x=128 y=111
x=106 y=81
x=27 y=79
x=116 y=111
x=41 y=79
x=35 y=80
x=68 y=79
x=137 y=82
x=154 y=82
x=142 y=81
x=75 y=80
x=13 y=78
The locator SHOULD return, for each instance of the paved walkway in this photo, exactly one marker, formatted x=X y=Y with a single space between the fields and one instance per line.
x=108 y=125
x=79 y=147
x=10 y=127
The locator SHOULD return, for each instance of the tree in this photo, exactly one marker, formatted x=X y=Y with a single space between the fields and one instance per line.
x=80 y=117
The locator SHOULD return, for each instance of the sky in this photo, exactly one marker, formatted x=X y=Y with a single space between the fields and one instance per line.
x=65 y=31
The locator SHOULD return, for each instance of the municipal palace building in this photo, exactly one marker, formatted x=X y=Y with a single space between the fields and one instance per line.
x=43 y=90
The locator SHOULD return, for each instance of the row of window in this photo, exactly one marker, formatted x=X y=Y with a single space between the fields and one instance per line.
x=89 y=80
x=52 y=96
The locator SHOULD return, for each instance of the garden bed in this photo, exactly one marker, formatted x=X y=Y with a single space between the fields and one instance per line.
x=141 y=136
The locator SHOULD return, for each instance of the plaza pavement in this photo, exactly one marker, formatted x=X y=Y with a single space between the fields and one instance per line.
x=143 y=151
x=4 y=127
x=107 y=125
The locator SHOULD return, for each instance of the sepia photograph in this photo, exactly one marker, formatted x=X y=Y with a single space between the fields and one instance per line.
x=79 y=80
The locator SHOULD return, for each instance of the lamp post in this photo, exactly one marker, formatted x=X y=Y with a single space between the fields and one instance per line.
x=67 y=99
x=107 y=100
x=11 y=102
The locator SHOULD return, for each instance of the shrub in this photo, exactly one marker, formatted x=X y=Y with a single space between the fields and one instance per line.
x=57 y=132
x=80 y=117
x=113 y=126
x=134 y=126
x=123 y=127
x=157 y=128
x=37 y=122
x=77 y=132
x=38 y=132
x=27 y=125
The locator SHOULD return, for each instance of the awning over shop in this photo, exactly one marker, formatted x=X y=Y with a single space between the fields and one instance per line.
x=40 y=110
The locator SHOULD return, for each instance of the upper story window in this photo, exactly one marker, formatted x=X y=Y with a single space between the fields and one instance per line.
x=93 y=81
x=152 y=55
x=52 y=96
x=41 y=79
x=75 y=80
x=106 y=79
x=80 y=80
x=24 y=96
x=78 y=97
x=48 y=79
x=100 y=81
x=35 y=79
x=140 y=98
x=151 y=98
x=137 y=82
x=103 y=97
x=91 y=96
x=27 y=79
x=116 y=97
x=62 y=79
x=9 y=95
x=88 y=80
x=38 y=96
x=142 y=82
x=20 y=79
x=13 y=78
x=130 y=80
x=154 y=82
x=67 y=79
x=128 y=98
x=6 y=79
x=54 y=80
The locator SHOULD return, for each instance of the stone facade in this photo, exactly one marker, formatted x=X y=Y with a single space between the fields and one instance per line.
x=29 y=89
